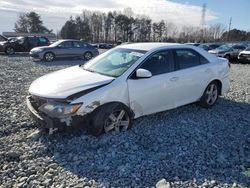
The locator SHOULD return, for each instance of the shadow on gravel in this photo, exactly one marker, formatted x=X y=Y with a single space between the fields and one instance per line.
x=61 y=62
x=17 y=54
x=179 y=145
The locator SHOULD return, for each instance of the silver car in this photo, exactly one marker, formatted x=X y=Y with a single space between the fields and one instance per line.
x=64 y=48
x=228 y=51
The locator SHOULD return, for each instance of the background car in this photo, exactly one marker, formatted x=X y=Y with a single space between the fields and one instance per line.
x=194 y=44
x=22 y=44
x=228 y=51
x=105 y=46
x=209 y=46
x=64 y=48
x=244 y=56
x=3 y=38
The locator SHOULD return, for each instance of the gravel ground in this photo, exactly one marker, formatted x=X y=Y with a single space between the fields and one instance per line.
x=185 y=147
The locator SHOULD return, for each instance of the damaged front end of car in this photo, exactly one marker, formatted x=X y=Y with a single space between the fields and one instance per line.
x=54 y=114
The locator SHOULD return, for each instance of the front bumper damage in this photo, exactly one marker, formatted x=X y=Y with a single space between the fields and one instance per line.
x=48 y=122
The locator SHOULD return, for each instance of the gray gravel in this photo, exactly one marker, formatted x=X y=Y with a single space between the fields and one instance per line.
x=185 y=147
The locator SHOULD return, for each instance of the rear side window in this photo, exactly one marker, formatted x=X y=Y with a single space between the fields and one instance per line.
x=43 y=40
x=187 y=58
x=159 y=63
x=76 y=44
x=65 y=44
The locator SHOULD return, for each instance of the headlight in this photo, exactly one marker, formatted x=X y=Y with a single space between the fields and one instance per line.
x=59 y=110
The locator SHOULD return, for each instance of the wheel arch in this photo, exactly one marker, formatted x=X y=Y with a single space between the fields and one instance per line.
x=130 y=111
x=219 y=83
x=49 y=52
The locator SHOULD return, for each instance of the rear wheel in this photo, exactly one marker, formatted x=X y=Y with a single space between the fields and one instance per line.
x=87 y=56
x=9 y=50
x=210 y=95
x=111 y=118
x=49 y=56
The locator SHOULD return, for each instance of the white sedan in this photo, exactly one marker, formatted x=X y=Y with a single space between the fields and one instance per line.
x=127 y=82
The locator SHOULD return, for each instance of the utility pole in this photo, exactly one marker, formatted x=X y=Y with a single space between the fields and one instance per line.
x=203 y=14
x=229 y=28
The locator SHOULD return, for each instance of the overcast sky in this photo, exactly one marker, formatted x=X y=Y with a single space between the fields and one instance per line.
x=54 y=13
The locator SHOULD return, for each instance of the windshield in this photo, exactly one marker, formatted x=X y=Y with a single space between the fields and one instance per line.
x=115 y=62
x=224 y=47
x=247 y=49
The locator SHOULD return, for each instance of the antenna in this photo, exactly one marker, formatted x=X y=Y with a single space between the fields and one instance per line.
x=229 y=28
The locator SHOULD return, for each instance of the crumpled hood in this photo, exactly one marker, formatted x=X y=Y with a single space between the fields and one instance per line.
x=63 y=83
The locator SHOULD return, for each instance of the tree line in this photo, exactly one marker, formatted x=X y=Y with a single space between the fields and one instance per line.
x=125 y=26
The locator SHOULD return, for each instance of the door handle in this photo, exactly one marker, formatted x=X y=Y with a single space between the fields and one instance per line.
x=173 y=79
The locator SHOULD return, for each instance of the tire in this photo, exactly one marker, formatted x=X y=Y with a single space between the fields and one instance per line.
x=87 y=56
x=49 y=56
x=9 y=50
x=210 y=95
x=110 y=118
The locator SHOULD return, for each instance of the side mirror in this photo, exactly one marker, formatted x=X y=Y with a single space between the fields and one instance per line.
x=143 y=73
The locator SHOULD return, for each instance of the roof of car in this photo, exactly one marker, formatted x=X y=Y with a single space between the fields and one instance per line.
x=147 y=45
x=70 y=40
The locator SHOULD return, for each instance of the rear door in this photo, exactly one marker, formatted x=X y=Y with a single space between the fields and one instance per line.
x=78 y=48
x=192 y=75
x=32 y=42
x=150 y=95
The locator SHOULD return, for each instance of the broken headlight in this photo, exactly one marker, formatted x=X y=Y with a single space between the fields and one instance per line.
x=59 y=110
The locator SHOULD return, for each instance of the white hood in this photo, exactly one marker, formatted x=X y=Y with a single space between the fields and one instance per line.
x=245 y=52
x=61 y=84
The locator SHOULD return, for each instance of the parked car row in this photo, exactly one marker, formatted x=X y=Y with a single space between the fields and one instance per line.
x=229 y=51
x=40 y=48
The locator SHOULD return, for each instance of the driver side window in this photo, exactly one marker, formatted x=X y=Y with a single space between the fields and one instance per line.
x=159 y=63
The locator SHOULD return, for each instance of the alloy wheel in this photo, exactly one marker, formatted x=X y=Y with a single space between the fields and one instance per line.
x=211 y=94
x=49 y=57
x=117 y=121
x=10 y=50
x=87 y=56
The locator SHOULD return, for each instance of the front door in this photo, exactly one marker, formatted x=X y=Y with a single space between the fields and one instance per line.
x=155 y=94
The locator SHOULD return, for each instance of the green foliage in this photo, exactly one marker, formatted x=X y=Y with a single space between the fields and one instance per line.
x=30 y=23
x=235 y=35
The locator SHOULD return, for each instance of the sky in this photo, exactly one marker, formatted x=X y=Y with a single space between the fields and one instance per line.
x=54 y=13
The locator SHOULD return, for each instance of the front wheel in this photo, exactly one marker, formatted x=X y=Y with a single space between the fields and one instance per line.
x=111 y=118
x=210 y=95
x=9 y=50
x=49 y=56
